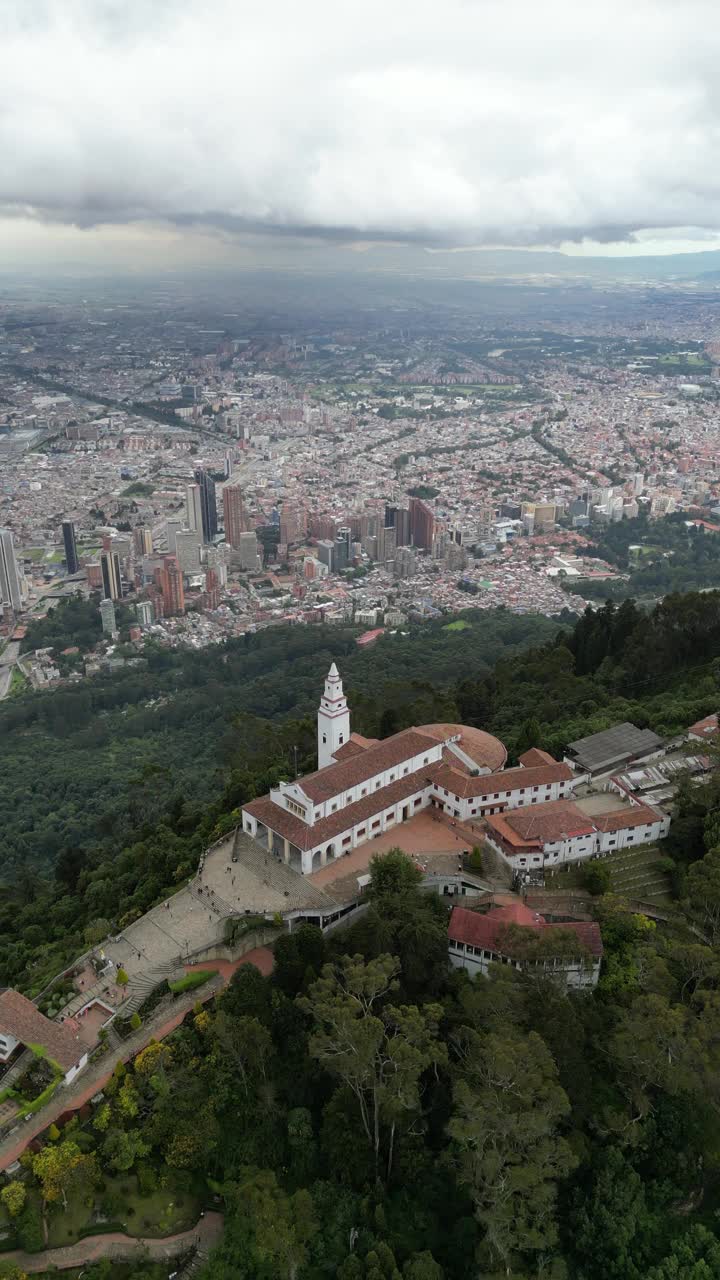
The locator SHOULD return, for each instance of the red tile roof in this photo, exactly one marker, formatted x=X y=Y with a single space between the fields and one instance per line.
x=490 y=930
x=487 y=752
x=706 y=728
x=336 y=778
x=530 y=759
x=20 y=1018
x=639 y=815
x=304 y=836
x=488 y=784
x=541 y=824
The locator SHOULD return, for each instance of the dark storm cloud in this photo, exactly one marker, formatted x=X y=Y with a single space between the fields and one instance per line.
x=467 y=123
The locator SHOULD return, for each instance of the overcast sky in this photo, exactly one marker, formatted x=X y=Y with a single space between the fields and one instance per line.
x=174 y=127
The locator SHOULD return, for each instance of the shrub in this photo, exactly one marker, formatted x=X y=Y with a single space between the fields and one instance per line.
x=136 y=1021
x=30 y=1233
x=597 y=879
x=475 y=861
x=191 y=980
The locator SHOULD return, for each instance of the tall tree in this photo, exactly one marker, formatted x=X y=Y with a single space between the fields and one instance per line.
x=508 y=1106
x=378 y=1050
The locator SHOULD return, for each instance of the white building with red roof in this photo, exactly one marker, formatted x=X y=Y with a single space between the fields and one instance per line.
x=569 y=952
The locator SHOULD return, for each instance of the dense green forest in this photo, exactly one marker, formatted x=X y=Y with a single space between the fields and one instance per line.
x=111 y=788
x=368 y=1113
x=658 y=556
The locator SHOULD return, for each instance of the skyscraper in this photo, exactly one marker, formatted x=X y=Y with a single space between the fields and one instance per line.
x=172 y=529
x=171 y=585
x=107 y=614
x=422 y=524
x=110 y=568
x=208 y=505
x=71 y=555
x=142 y=540
x=236 y=521
x=10 y=588
x=194 y=507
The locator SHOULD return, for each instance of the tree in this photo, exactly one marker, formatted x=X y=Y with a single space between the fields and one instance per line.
x=508 y=1106
x=136 y=1021
x=530 y=735
x=281 y=1226
x=695 y=1256
x=247 y=1044
x=703 y=889
x=596 y=878
x=60 y=1166
x=379 y=1051
x=610 y=1226
x=422 y=1266
x=121 y=978
x=122 y=1147
x=13 y=1197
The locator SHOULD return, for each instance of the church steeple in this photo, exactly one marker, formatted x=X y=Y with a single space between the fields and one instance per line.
x=333 y=719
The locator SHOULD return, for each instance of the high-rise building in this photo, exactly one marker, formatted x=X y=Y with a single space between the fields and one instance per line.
x=422 y=524
x=248 y=548
x=398 y=518
x=342 y=550
x=193 y=507
x=208 y=505
x=326 y=552
x=145 y=612
x=187 y=550
x=10 y=584
x=236 y=521
x=142 y=541
x=172 y=529
x=228 y=464
x=107 y=614
x=71 y=555
x=112 y=581
x=171 y=586
x=212 y=590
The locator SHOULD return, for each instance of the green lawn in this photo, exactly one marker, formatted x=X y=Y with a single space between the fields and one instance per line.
x=18 y=682
x=458 y=625
x=163 y=1213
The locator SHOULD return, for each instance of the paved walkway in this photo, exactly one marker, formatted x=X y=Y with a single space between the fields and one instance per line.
x=205 y=1234
x=96 y=1076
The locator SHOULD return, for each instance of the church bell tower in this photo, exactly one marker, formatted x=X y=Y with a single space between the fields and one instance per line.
x=333 y=719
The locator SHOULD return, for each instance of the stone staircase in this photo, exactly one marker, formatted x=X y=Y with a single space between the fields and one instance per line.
x=141 y=984
x=16 y=1070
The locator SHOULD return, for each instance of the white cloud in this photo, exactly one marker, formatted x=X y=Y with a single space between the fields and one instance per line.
x=474 y=121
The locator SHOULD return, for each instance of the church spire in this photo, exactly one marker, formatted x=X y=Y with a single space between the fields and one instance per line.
x=333 y=719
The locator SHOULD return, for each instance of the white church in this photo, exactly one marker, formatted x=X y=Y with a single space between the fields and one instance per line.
x=364 y=787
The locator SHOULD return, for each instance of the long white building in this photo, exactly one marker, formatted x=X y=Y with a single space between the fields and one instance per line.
x=365 y=787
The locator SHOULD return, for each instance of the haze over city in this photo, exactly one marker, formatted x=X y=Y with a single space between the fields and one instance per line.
x=359 y=640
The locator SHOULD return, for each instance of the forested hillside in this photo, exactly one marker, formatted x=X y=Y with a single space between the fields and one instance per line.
x=112 y=787
x=366 y=1112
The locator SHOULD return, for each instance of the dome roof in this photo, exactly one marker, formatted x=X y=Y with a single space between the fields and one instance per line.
x=486 y=751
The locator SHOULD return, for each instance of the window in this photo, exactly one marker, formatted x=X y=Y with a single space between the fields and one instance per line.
x=417 y=801
x=536 y=788
x=360 y=832
x=426 y=760
x=392 y=777
x=374 y=826
x=324 y=737
x=296 y=808
x=341 y=739
x=406 y=769
x=347 y=840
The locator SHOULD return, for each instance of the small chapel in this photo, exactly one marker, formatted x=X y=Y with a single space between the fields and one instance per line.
x=364 y=787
